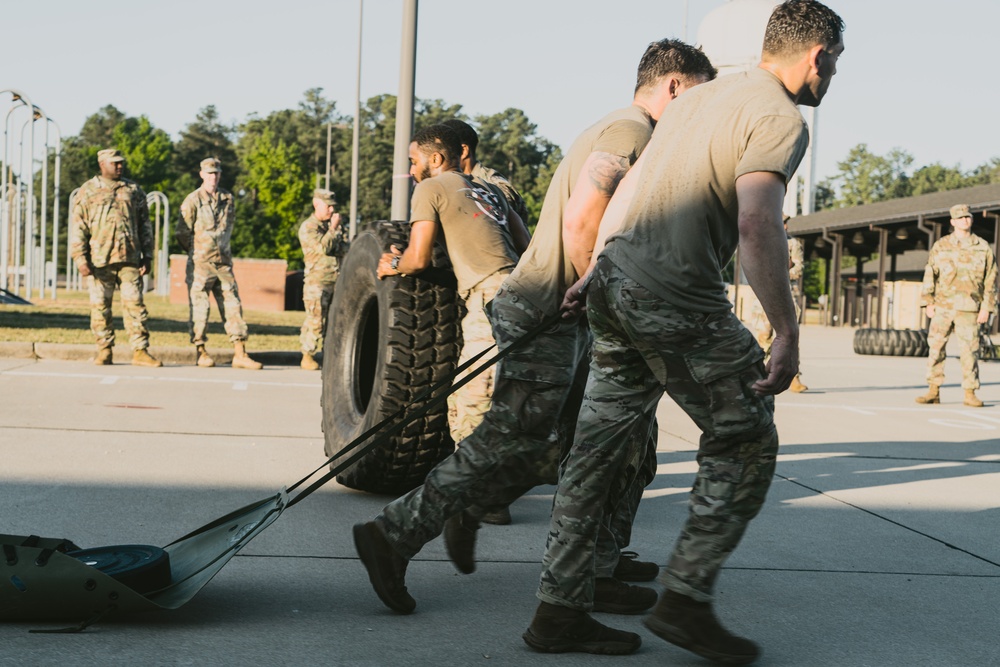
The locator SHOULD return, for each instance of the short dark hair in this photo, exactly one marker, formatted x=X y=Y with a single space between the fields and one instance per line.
x=672 y=56
x=798 y=25
x=466 y=134
x=441 y=139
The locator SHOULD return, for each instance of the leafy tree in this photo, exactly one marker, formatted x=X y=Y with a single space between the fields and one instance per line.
x=866 y=178
x=936 y=177
x=148 y=153
x=206 y=137
x=277 y=197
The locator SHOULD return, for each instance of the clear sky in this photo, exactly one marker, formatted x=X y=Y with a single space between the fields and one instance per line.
x=916 y=74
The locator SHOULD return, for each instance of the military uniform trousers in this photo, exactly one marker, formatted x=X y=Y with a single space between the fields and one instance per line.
x=467 y=406
x=966 y=330
x=516 y=447
x=204 y=278
x=316 y=296
x=102 y=284
x=707 y=363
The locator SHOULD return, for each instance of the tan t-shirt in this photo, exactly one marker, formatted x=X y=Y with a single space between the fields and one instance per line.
x=473 y=219
x=545 y=271
x=681 y=227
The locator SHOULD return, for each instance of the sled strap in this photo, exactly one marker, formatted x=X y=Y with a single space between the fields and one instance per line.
x=384 y=435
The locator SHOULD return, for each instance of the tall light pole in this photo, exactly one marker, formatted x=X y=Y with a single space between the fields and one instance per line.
x=356 y=137
x=404 y=113
x=29 y=218
x=25 y=101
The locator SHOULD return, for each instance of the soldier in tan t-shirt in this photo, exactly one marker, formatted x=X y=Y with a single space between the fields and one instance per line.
x=518 y=444
x=713 y=175
x=475 y=223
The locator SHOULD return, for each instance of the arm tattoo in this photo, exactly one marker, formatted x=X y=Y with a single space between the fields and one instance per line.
x=606 y=171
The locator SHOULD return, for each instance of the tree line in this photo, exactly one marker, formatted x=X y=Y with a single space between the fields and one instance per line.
x=272 y=163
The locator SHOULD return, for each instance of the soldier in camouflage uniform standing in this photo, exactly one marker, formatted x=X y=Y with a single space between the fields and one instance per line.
x=518 y=444
x=322 y=238
x=713 y=176
x=959 y=293
x=761 y=327
x=204 y=228
x=112 y=246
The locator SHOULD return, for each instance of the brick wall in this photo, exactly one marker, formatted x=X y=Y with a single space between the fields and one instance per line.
x=261 y=282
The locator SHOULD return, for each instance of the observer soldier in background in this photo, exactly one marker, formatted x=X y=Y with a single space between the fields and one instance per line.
x=713 y=176
x=112 y=246
x=323 y=240
x=959 y=292
x=204 y=228
x=761 y=327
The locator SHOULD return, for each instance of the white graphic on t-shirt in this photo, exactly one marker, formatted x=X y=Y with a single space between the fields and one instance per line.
x=487 y=202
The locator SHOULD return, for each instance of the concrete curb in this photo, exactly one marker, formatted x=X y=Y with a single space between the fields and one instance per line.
x=181 y=356
x=17 y=350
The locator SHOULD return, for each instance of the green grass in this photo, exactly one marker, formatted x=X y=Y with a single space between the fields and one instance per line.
x=67 y=320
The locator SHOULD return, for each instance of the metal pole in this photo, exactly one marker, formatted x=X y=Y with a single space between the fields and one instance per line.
x=55 y=212
x=45 y=205
x=29 y=239
x=404 y=113
x=72 y=273
x=16 y=96
x=163 y=259
x=356 y=137
x=329 y=140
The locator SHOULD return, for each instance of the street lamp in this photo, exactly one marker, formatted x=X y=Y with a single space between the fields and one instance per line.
x=20 y=100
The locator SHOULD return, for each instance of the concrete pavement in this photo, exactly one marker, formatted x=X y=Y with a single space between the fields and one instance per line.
x=877 y=545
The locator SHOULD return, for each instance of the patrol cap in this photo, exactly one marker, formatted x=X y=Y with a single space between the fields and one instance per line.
x=211 y=165
x=325 y=196
x=960 y=211
x=110 y=155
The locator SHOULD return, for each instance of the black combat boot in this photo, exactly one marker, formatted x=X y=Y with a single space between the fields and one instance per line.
x=460 y=541
x=617 y=597
x=692 y=625
x=556 y=629
x=386 y=568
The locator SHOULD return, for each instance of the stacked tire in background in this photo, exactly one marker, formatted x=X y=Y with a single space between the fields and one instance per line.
x=891 y=342
x=386 y=342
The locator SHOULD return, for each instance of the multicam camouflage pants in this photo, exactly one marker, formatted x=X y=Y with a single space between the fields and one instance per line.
x=204 y=278
x=966 y=329
x=707 y=364
x=316 y=297
x=467 y=406
x=516 y=447
x=102 y=283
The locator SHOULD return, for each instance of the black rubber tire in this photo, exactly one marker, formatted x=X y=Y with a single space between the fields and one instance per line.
x=386 y=342
x=140 y=567
x=859 y=341
x=891 y=342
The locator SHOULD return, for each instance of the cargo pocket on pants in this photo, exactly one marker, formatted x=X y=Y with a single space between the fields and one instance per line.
x=727 y=371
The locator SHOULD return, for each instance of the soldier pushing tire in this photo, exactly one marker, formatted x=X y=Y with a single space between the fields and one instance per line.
x=386 y=342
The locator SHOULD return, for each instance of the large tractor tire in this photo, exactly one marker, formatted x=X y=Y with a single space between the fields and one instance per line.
x=891 y=342
x=386 y=342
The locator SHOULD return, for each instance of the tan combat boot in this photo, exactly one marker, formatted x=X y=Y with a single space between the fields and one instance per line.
x=797 y=386
x=242 y=360
x=932 y=395
x=971 y=399
x=309 y=362
x=205 y=360
x=143 y=358
x=103 y=357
